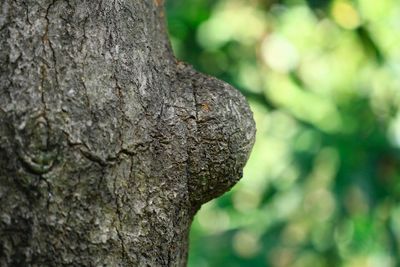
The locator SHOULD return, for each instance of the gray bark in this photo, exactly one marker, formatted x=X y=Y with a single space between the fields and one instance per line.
x=108 y=145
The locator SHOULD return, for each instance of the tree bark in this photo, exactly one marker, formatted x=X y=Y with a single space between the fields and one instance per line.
x=108 y=145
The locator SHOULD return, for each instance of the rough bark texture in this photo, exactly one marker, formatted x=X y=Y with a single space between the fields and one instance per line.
x=108 y=145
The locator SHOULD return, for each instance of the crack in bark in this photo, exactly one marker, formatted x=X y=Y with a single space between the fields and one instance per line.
x=86 y=95
x=193 y=131
x=86 y=152
x=85 y=21
x=118 y=226
x=43 y=74
x=27 y=13
x=43 y=70
x=47 y=39
x=120 y=109
x=49 y=191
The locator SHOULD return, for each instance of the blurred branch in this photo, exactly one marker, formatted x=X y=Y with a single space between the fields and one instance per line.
x=294 y=76
x=393 y=242
x=371 y=48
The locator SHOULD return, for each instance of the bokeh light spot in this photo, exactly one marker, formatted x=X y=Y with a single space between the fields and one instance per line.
x=279 y=54
x=345 y=15
x=246 y=244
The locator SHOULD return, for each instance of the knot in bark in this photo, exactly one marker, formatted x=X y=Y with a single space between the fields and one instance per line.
x=221 y=136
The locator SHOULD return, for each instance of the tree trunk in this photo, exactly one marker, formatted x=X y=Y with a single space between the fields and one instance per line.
x=108 y=145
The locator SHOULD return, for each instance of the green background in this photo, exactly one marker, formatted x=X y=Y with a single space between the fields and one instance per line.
x=322 y=185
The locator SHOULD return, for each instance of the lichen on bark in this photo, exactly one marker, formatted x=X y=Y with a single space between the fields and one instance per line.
x=109 y=145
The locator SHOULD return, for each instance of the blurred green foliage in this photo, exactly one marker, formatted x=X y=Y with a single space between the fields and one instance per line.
x=322 y=186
